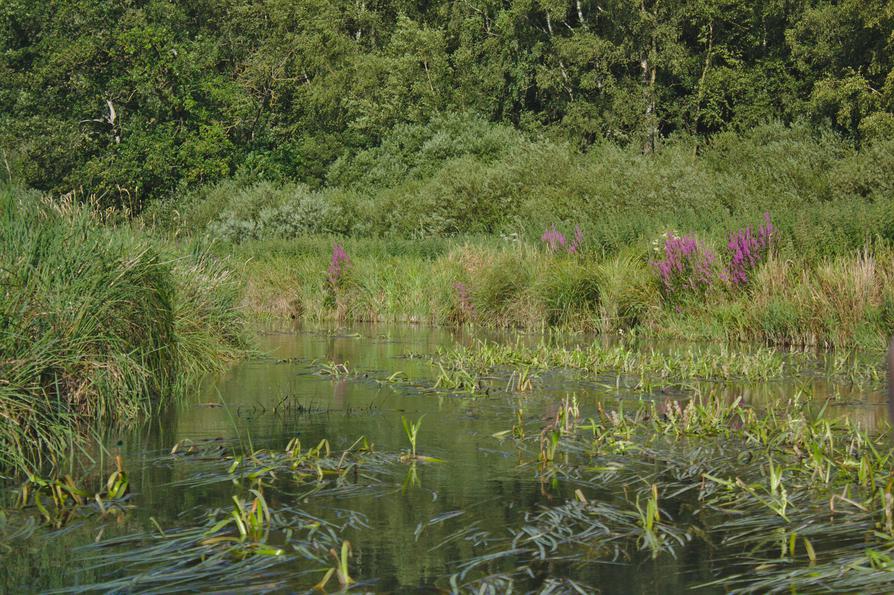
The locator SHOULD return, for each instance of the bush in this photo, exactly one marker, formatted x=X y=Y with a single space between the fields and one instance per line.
x=462 y=176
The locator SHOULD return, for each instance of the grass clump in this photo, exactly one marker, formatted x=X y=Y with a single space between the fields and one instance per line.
x=96 y=324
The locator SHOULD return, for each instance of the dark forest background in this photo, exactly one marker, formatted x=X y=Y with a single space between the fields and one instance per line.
x=133 y=101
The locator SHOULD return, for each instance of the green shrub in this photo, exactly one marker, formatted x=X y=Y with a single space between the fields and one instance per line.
x=463 y=176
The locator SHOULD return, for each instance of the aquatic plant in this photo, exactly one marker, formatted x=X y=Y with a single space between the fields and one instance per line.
x=649 y=518
x=340 y=570
x=334 y=369
x=521 y=380
x=253 y=522
x=411 y=429
x=209 y=553
x=721 y=364
x=67 y=498
x=755 y=486
x=457 y=378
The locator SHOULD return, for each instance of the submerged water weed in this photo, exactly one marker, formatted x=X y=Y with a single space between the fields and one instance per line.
x=314 y=470
x=720 y=364
x=67 y=499
x=577 y=532
x=795 y=501
x=282 y=546
x=259 y=541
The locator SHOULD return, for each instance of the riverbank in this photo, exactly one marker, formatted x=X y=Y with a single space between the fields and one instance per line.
x=779 y=235
x=841 y=302
x=98 y=324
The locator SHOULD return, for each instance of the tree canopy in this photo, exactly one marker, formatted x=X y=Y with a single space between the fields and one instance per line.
x=131 y=100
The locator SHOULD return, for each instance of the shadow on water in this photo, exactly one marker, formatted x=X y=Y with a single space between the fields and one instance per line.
x=412 y=528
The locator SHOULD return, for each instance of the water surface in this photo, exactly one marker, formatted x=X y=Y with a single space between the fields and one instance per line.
x=416 y=532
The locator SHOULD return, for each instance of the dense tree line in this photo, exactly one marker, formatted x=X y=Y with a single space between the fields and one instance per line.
x=134 y=99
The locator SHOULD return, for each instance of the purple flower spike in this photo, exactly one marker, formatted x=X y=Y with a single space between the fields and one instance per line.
x=553 y=238
x=686 y=265
x=578 y=241
x=748 y=250
x=338 y=264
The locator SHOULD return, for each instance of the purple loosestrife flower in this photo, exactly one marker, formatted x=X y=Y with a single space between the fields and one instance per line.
x=747 y=250
x=687 y=265
x=578 y=241
x=553 y=238
x=337 y=265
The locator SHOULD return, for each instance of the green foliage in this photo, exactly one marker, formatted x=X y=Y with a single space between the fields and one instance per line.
x=416 y=152
x=500 y=286
x=132 y=101
x=96 y=323
x=828 y=197
x=568 y=289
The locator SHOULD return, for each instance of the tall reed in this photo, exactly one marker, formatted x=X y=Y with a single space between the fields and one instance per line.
x=96 y=324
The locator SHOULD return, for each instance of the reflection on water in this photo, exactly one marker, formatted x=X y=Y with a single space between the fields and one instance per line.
x=410 y=543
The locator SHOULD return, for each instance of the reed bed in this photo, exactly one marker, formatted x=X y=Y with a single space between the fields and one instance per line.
x=97 y=325
x=672 y=366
